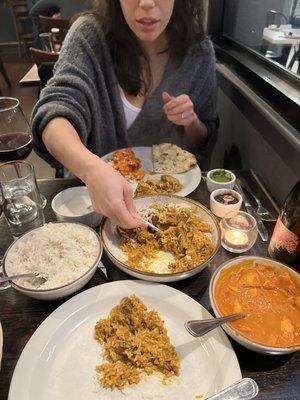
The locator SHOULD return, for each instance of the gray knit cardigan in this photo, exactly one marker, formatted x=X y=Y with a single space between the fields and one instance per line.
x=84 y=90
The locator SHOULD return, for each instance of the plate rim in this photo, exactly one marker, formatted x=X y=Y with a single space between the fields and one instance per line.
x=39 y=340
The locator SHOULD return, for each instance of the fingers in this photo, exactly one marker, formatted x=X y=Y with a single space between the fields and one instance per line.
x=180 y=110
x=181 y=100
x=166 y=97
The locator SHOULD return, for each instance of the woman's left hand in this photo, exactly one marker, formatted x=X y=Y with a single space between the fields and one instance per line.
x=179 y=110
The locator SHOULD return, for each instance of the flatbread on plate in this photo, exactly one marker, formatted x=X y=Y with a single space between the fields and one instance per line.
x=170 y=158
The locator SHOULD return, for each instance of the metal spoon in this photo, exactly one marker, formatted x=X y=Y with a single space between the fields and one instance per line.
x=200 y=327
x=244 y=389
x=151 y=225
x=13 y=277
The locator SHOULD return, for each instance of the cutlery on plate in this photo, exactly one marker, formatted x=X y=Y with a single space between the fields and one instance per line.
x=29 y=275
x=265 y=214
x=153 y=227
x=262 y=230
x=200 y=327
x=244 y=389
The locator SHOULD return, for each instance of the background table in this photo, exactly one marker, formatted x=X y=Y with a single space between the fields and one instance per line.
x=278 y=377
x=31 y=78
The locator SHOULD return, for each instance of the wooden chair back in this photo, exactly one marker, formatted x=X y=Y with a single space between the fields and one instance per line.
x=47 y=23
x=41 y=56
x=20 y=14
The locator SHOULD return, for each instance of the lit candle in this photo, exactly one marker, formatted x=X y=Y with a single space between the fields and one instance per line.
x=236 y=237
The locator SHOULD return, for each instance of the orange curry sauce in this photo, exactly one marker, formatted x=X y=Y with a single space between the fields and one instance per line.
x=127 y=164
x=270 y=298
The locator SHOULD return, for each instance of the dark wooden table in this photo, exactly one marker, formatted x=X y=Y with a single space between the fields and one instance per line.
x=278 y=377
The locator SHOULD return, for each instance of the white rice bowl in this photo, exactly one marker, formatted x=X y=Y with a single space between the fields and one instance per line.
x=60 y=253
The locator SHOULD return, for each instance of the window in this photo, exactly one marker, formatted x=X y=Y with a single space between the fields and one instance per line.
x=269 y=27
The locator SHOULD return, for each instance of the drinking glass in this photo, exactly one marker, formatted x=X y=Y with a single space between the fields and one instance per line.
x=22 y=206
x=238 y=231
x=46 y=41
x=15 y=133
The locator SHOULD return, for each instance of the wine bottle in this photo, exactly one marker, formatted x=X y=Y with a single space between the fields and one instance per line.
x=285 y=242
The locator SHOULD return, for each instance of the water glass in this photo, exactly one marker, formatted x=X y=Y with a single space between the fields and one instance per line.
x=22 y=206
x=238 y=231
x=46 y=41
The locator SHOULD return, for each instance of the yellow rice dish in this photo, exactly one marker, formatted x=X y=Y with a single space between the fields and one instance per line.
x=185 y=241
x=166 y=185
x=135 y=343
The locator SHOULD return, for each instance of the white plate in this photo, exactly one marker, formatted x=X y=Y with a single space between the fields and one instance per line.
x=62 y=354
x=190 y=180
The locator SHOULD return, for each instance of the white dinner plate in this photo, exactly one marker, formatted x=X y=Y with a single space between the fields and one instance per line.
x=190 y=180
x=59 y=360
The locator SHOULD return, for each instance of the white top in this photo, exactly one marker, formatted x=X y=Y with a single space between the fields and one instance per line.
x=131 y=111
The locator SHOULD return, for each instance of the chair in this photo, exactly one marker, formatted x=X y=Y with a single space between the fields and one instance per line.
x=20 y=15
x=3 y=71
x=47 y=23
x=41 y=56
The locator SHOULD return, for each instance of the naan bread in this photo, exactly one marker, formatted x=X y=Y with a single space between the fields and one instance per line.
x=169 y=158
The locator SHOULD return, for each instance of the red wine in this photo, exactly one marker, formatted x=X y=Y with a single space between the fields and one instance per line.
x=285 y=242
x=15 y=146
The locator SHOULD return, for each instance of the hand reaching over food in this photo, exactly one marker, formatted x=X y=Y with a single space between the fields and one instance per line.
x=112 y=195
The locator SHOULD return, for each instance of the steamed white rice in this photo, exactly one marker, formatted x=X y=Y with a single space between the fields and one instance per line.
x=59 y=252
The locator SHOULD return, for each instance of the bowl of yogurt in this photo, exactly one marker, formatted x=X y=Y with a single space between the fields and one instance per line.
x=74 y=205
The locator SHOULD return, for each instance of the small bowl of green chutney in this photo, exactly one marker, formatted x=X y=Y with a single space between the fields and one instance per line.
x=220 y=179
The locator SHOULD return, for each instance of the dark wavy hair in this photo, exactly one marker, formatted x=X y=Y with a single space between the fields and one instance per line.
x=184 y=30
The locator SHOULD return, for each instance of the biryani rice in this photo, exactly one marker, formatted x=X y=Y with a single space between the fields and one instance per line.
x=184 y=235
x=135 y=342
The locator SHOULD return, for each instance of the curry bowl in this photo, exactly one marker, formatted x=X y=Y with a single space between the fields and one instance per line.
x=247 y=284
x=112 y=240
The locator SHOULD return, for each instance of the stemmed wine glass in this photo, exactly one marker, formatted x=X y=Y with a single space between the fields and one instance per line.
x=15 y=133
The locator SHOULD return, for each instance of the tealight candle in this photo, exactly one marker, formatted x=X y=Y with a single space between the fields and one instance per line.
x=239 y=231
x=236 y=237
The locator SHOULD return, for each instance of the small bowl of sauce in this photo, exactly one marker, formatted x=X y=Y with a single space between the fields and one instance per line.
x=220 y=179
x=224 y=200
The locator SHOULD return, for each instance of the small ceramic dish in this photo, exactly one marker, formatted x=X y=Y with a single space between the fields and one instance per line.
x=220 y=179
x=224 y=200
x=74 y=205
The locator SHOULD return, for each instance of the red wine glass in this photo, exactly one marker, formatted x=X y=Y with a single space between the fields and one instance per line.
x=15 y=133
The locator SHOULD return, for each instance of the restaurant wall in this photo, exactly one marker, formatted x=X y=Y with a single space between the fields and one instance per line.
x=244 y=142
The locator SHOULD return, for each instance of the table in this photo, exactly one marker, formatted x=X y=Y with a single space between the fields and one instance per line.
x=278 y=37
x=31 y=78
x=278 y=377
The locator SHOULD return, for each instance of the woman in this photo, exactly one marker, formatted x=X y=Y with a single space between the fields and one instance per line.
x=131 y=73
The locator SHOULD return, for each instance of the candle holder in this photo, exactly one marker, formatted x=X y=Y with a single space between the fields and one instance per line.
x=238 y=231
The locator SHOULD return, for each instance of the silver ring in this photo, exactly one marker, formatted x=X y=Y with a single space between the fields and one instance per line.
x=182 y=115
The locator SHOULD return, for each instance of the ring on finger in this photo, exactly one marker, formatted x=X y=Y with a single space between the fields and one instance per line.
x=182 y=116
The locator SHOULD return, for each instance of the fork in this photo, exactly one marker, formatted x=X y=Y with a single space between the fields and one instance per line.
x=261 y=211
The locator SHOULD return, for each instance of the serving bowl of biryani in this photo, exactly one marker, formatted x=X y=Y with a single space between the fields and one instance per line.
x=268 y=293
x=63 y=256
x=189 y=240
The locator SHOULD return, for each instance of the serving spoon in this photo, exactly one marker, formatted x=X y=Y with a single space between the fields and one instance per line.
x=245 y=389
x=200 y=327
x=28 y=275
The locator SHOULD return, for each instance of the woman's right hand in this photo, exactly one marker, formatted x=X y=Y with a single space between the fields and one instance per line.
x=112 y=195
